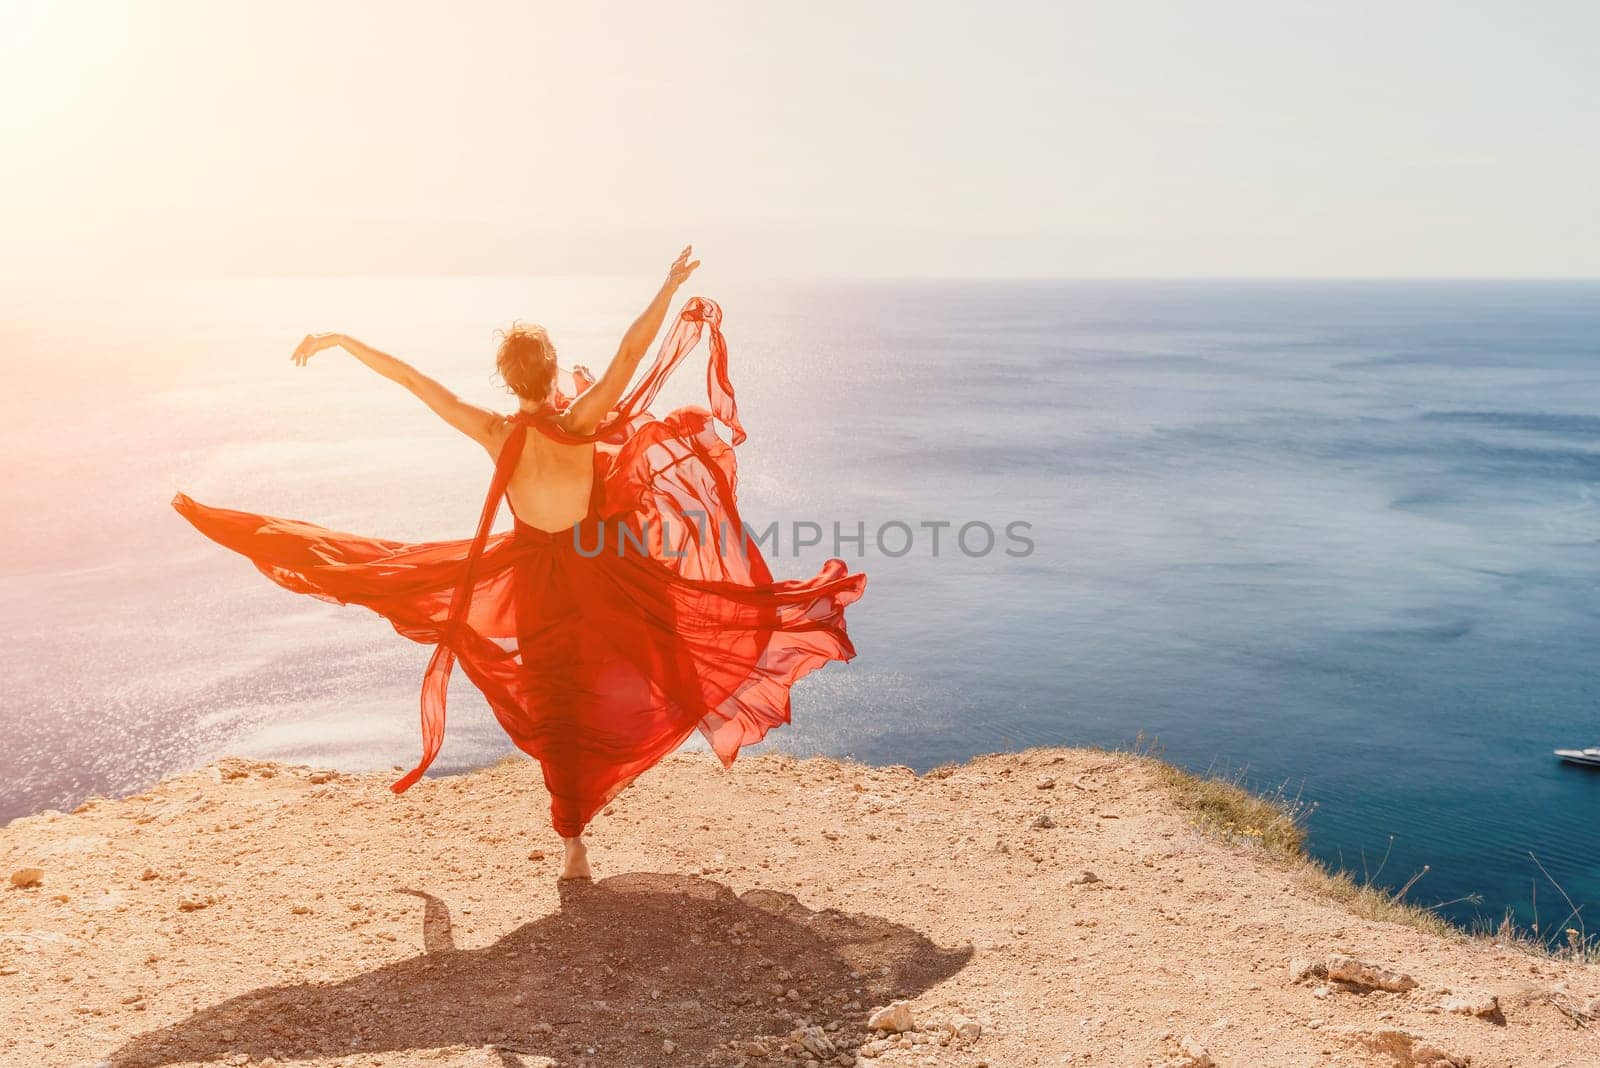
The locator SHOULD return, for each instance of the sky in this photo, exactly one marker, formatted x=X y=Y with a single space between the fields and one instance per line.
x=869 y=139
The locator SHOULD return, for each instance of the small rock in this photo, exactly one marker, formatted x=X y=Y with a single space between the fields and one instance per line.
x=1046 y=783
x=668 y=1046
x=817 y=1041
x=1083 y=878
x=194 y=904
x=875 y=1047
x=894 y=1017
x=1427 y=1055
x=962 y=1029
x=317 y=778
x=1191 y=1054
x=1471 y=1003
x=1359 y=973
x=1301 y=969
x=27 y=877
x=1043 y=822
x=301 y=910
x=148 y=874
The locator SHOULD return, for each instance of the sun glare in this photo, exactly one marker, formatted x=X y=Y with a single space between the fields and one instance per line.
x=28 y=30
x=50 y=59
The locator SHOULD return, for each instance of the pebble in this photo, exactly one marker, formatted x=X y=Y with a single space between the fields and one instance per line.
x=963 y=1029
x=1191 y=1054
x=27 y=877
x=1302 y=968
x=1359 y=973
x=816 y=1040
x=1471 y=1003
x=1427 y=1055
x=894 y=1017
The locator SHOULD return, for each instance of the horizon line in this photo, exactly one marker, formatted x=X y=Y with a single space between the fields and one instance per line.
x=228 y=276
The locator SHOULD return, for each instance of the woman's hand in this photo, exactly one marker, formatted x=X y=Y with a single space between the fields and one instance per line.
x=315 y=343
x=592 y=404
x=681 y=268
x=479 y=424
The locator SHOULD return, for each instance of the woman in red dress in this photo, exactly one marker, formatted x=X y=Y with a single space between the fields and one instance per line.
x=626 y=608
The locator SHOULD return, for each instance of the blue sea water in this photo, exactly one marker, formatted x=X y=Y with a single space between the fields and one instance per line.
x=1341 y=537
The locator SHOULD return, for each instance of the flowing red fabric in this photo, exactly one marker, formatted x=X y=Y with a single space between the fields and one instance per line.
x=599 y=649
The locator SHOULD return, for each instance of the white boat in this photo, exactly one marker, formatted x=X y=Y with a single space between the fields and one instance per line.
x=1589 y=757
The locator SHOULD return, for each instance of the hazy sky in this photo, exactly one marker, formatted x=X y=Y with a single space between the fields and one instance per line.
x=979 y=138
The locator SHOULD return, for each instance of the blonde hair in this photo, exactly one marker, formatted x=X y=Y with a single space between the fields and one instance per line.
x=526 y=361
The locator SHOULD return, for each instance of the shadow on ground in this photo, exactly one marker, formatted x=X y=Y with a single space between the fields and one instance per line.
x=624 y=964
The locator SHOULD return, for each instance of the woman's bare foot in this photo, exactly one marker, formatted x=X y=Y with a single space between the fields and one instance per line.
x=575 y=865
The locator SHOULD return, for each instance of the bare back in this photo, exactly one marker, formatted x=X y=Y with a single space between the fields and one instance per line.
x=550 y=486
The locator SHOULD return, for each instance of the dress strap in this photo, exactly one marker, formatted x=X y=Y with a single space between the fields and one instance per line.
x=436 y=680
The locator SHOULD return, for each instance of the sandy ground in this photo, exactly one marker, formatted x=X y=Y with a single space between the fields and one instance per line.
x=253 y=913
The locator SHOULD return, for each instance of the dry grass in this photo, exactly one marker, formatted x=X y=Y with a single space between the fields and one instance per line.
x=1275 y=823
x=1573 y=943
x=1373 y=902
x=1224 y=807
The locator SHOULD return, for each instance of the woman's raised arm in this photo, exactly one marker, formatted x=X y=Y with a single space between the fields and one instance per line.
x=479 y=424
x=588 y=410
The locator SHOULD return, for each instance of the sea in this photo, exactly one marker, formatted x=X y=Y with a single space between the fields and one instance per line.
x=1338 y=540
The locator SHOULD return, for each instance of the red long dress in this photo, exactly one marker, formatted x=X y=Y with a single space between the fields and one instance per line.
x=599 y=649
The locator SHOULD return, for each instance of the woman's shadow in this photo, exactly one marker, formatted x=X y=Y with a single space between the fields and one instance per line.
x=623 y=966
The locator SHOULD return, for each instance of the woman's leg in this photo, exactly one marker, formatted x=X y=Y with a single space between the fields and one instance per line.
x=568 y=815
x=575 y=864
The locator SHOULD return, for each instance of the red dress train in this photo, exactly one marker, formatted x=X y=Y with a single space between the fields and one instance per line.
x=599 y=649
